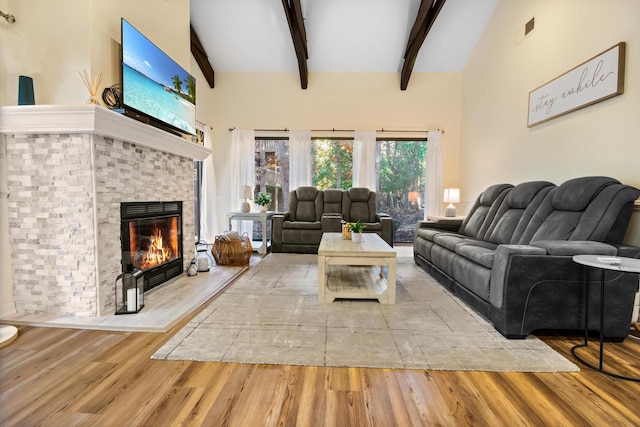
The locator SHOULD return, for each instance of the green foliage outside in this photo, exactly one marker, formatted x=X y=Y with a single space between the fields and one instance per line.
x=402 y=166
x=333 y=162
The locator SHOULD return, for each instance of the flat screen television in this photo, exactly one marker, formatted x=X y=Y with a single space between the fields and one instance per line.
x=155 y=89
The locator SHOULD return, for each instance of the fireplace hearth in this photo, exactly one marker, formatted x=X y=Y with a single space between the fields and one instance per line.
x=151 y=237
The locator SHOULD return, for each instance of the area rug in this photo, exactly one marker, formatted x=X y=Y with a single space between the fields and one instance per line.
x=271 y=316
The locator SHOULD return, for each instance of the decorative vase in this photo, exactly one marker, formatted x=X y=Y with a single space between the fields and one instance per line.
x=263 y=208
x=356 y=237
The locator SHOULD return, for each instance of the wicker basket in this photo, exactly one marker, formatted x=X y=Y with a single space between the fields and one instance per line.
x=232 y=252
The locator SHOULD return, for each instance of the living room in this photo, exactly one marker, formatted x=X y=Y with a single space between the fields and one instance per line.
x=482 y=108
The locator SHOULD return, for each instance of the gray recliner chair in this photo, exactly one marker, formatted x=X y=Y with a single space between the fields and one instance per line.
x=359 y=204
x=299 y=229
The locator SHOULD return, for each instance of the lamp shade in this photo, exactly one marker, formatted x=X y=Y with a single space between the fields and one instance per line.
x=246 y=192
x=452 y=195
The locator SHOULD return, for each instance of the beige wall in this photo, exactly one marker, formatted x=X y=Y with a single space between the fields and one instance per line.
x=52 y=40
x=496 y=145
x=332 y=100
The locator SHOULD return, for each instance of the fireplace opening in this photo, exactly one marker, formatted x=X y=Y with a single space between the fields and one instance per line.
x=151 y=237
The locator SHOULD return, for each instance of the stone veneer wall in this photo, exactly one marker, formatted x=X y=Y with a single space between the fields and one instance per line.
x=57 y=236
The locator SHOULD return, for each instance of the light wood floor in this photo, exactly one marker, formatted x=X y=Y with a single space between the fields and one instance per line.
x=64 y=377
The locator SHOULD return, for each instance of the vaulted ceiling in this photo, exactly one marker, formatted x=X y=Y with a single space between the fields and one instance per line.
x=340 y=35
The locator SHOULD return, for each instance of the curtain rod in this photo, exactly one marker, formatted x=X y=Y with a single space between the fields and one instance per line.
x=340 y=130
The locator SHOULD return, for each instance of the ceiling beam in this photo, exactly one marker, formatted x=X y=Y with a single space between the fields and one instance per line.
x=427 y=14
x=293 y=12
x=198 y=52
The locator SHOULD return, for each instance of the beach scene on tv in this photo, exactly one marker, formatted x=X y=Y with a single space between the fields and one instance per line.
x=154 y=84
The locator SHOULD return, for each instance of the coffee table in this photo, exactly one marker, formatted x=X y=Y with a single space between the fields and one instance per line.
x=341 y=273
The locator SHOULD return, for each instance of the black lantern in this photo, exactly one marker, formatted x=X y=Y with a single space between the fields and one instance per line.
x=130 y=292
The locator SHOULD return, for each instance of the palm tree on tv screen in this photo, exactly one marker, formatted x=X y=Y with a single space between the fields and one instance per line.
x=191 y=88
x=177 y=83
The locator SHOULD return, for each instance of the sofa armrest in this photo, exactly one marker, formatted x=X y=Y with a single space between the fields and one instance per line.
x=575 y=247
x=501 y=265
x=387 y=228
x=331 y=223
x=445 y=224
x=277 y=222
x=532 y=290
x=628 y=251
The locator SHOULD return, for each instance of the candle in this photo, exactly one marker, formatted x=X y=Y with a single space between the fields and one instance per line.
x=132 y=300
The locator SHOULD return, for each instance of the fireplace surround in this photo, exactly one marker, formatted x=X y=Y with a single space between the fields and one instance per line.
x=68 y=170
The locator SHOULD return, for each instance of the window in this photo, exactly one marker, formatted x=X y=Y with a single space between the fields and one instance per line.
x=399 y=164
x=401 y=184
x=272 y=172
x=332 y=164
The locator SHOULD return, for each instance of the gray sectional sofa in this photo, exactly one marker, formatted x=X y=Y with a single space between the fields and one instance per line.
x=313 y=212
x=511 y=257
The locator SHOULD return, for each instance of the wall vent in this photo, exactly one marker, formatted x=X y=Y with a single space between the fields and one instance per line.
x=524 y=30
x=528 y=27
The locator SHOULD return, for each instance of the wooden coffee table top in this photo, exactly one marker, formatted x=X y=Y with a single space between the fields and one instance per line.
x=372 y=245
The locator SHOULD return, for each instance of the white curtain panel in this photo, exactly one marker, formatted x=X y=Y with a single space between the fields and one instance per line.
x=300 y=160
x=243 y=171
x=364 y=159
x=433 y=175
x=208 y=224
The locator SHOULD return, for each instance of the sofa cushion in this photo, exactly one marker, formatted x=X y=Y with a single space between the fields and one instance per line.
x=301 y=237
x=607 y=216
x=333 y=201
x=570 y=248
x=302 y=225
x=523 y=198
x=449 y=240
x=477 y=251
x=359 y=204
x=484 y=209
x=429 y=233
x=306 y=204
x=359 y=194
x=473 y=277
x=577 y=210
x=559 y=225
x=576 y=194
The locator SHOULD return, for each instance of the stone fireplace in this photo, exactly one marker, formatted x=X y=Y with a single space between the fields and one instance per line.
x=69 y=171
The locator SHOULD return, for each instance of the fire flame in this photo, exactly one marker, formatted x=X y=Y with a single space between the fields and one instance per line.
x=157 y=252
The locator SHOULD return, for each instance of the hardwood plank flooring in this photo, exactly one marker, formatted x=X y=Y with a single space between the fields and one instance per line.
x=67 y=377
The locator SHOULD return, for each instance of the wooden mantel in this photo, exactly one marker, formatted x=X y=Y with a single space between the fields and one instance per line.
x=55 y=119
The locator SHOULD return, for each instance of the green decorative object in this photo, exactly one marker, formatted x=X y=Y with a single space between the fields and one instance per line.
x=356 y=227
x=263 y=199
x=25 y=91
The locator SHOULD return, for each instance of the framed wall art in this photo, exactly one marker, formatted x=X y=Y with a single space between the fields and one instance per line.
x=597 y=79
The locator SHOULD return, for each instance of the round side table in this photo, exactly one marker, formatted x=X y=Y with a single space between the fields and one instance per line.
x=7 y=334
x=602 y=263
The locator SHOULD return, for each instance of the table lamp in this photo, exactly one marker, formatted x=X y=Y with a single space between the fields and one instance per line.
x=451 y=196
x=247 y=194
